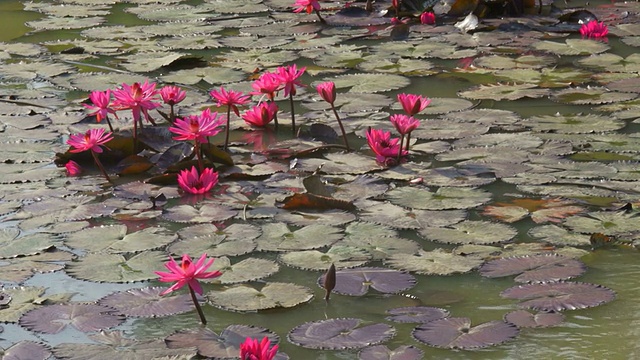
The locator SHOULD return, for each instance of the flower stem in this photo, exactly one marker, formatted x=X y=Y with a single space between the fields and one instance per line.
x=226 y=138
x=99 y=164
x=293 y=116
x=400 y=147
x=344 y=134
x=135 y=137
x=203 y=320
x=172 y=115
x=322 y=20
x=408 y=138
x=109 y=123
x=272 y=98
x=198 y=155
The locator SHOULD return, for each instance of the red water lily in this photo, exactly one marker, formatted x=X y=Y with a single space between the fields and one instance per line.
x=594 y=30
x=92 y=140
x=197 y=127
x=172 y=95
x=403 y=123
x=261 y=115
x=139 y=98
x=327 y=91
x=383 y=145
x=73 y=168
x=231 y=99
x=251 y=349
x=306 y=5
x=288 y=76
x=194 y=183
x=101 y=104
x=427 y=18
x=268 y=84
x=413 y=104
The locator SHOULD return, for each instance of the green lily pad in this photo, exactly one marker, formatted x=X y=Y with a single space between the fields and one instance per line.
x=341 y=256
x=592 y=95
x=605 y=222
x=436 y=262
x=443 y=198
x=116 y=268
x=278 y=237
x=557 y=235
x=272 y=295
x=571 y=47
x=504 y=92
x=612 y=62
x=250 y=269
x=370 y=83
x=470 y=232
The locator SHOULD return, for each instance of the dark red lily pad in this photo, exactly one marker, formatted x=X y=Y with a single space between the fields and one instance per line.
x=52 y=319
x=534 y=268
x=525 y=319
x=457 y=333
x=338 y=334
x=356 y=282
x=558 y=296
x=26 y=350
x=416 y=314
x=147 y=302
x=223 y=346
x=381 y=352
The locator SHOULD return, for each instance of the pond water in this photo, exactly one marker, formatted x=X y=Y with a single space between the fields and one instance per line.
x=532 y=128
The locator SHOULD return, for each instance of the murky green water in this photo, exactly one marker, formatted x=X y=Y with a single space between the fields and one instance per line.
x=605 y=332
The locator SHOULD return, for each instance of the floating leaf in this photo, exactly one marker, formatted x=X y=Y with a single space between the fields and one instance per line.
x=356 y=282
x=470 y=232
x=114 y=345
x=572 y=47
x=556 y=235
x=605 y=222
x=147 y=302
x=443 y=198
x=457 y=333
x=223 y=346
x=381 y=352
x=340 y=256
x=203 y=214
x=26 y=350
x=85 y=317
x=436 y=262
x=591 y=95
x=416 y=314
x=525 y=319
x=337 y=334
x=272 y=295
x=250 y=269
x=534 y=268
x=612 y=62
x=278 y=237
x=117 y=268
x=504 y=92
x=558 y=296
x=370 y=83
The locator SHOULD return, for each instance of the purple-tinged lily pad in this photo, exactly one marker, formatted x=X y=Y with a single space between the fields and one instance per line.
x=457 y=333
x=147 y=302
x=338 y=334
x=356 y=282
x=85 y=317
x=534 y=268
x=558 y=296
x=26 y=350
x=223 y=346
x=416 y=314
x=525 y=319
x=381 y=352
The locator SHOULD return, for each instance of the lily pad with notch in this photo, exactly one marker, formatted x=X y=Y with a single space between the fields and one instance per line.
x=342 y=256
x=457 y=333
x=534 y=268
x=278 y=237
x=436 y=262
x=340 y=334
x=559 y=296
x=147 y=302
x=356 y=282
x=245 y=298
x=416 y=314
x=525 y=319
x=117 y=268
x=249 y=269
x=52 y=319
x=381 y=352
x=470 y=232
x=26 y=350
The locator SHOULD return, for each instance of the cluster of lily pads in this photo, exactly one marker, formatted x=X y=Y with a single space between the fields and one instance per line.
x=304 y=203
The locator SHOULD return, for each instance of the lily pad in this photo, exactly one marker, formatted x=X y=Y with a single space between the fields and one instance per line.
x=457 y=333
x=436 y=262
x=558 y=296
x=370 y=83
x=272 y=295
x=534 y=268
x=416 y=314
x=340 y=255
x=339 y=334
x=85 y=317
x=117 y=268
x=443 y=198
x=278 y=237
x=26 y=350
x=356 y=282
x=504 y=92
x=250 y=269
x=223 y=346
x=21 y=268
x=381 y=352
x=147 y=302
x=470 y=232
x=203 y=214
x=525 y=319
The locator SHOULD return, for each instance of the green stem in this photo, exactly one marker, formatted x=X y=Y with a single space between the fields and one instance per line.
x=408 y=138
x=99 y=164
x=293 y=116
x=344 y=134
x=323 y=21
x=135 y=136
x=226 y=138
x=203 y=320
x=400 y=148
x=199 y=156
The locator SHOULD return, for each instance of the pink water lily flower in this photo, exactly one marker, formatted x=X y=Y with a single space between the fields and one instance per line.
x=230 y=98
x=327 y=91
x=261 y=115
x=92 y=140
x=101 y=104
x=194 y=183
x=172 y=95
x=427 y=18
x=413 y=104
x=187 y=273
x=288 y=76
x=594 y=30
x=404 y=124
x=306 y=5
x=268 y=84
x=197 y=127
x=139 y=98
x=383 y=145
x=73 y=168
x=251 y=349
